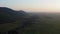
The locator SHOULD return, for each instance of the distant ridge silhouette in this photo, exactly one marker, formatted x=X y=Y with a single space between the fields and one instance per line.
x=8 y=15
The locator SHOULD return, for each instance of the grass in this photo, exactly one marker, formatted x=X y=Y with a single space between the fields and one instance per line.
x=42 y=27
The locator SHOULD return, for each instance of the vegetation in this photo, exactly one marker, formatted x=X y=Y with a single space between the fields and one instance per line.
x=20 y=22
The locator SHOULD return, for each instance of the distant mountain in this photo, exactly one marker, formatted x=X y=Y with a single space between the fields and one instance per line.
x=8 y=15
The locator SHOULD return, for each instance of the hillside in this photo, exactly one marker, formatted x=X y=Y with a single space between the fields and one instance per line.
x=21 y=22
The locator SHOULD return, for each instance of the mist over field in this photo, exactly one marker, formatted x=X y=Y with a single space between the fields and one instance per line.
x=22 y=22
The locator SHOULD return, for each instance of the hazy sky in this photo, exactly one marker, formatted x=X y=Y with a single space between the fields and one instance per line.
x=32 y=5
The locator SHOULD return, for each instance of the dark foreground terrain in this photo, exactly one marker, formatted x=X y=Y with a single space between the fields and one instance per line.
x=20 y=22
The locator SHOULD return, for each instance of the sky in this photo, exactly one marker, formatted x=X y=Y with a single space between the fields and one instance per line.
x=32 y=5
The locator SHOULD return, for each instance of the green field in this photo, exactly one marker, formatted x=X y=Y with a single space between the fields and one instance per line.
x=48 y=24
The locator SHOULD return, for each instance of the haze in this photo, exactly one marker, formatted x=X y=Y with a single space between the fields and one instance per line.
x=32 y=5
